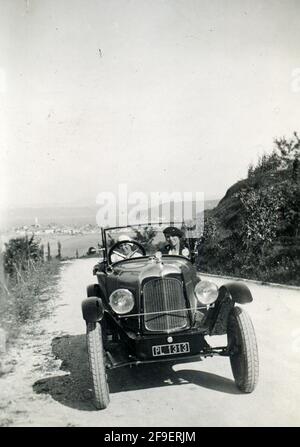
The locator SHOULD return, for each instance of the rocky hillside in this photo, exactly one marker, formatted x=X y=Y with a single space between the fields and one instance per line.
x=254 y=231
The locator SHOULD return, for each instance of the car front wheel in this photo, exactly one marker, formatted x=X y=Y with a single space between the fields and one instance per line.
x=243 y=350
x=97 y=365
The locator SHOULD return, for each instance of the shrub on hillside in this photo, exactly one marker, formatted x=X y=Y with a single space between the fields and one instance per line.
x=19 y=253
x=25 y=278
x=254 y=231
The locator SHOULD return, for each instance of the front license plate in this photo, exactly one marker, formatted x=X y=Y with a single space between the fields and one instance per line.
x=173 y=348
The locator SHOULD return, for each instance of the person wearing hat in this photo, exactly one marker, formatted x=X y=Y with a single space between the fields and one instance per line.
x=175 y=245
x=126 y=250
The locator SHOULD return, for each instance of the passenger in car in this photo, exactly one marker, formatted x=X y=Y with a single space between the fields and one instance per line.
x=176 y=245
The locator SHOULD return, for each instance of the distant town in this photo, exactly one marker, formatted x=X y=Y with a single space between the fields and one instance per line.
x=72 y=240
x=53 y=228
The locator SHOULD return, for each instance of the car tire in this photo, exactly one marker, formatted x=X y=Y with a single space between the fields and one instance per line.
x=97 y=365
x=243 y=350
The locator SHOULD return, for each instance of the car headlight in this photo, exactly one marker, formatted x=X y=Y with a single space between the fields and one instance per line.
x=206 y=292
x=121 y=301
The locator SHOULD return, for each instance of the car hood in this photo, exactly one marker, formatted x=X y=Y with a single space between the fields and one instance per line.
x=131 y=274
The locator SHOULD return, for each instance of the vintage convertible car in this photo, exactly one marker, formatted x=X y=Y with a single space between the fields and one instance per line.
x=149 y=305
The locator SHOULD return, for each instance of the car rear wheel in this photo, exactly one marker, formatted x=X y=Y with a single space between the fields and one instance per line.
x=97 y=365
x=243 y=350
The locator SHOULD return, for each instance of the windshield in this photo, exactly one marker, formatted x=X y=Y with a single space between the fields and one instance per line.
x=169 y=239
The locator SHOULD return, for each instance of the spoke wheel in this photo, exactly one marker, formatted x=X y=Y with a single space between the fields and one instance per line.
x=243 y=350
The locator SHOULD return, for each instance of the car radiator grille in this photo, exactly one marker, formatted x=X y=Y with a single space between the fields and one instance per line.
x=164 y=295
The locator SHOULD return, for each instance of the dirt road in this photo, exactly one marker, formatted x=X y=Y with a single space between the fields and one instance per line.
x=50 y=384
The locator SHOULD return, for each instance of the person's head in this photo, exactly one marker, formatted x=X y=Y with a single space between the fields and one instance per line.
x=126 y=248
x=173 y=236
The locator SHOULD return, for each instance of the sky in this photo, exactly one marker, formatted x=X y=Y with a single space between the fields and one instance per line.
x=160 y=95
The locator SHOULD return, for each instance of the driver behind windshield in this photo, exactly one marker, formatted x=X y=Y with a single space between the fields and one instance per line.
x=176 y=245
x=125 y=250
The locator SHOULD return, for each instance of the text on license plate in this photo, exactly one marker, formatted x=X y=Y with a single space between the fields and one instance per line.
x=174 y=348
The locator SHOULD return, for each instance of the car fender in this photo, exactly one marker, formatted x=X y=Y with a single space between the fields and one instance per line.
x=238 y=292
x=229 y=294
x=93 y=290
x=92 y=309
x=96 y=290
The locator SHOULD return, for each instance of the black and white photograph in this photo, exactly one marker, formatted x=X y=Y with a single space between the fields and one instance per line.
x=149 y=216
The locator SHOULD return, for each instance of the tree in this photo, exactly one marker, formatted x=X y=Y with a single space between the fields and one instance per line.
x=48 y=252
x=145 y=236
x=58 y=250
